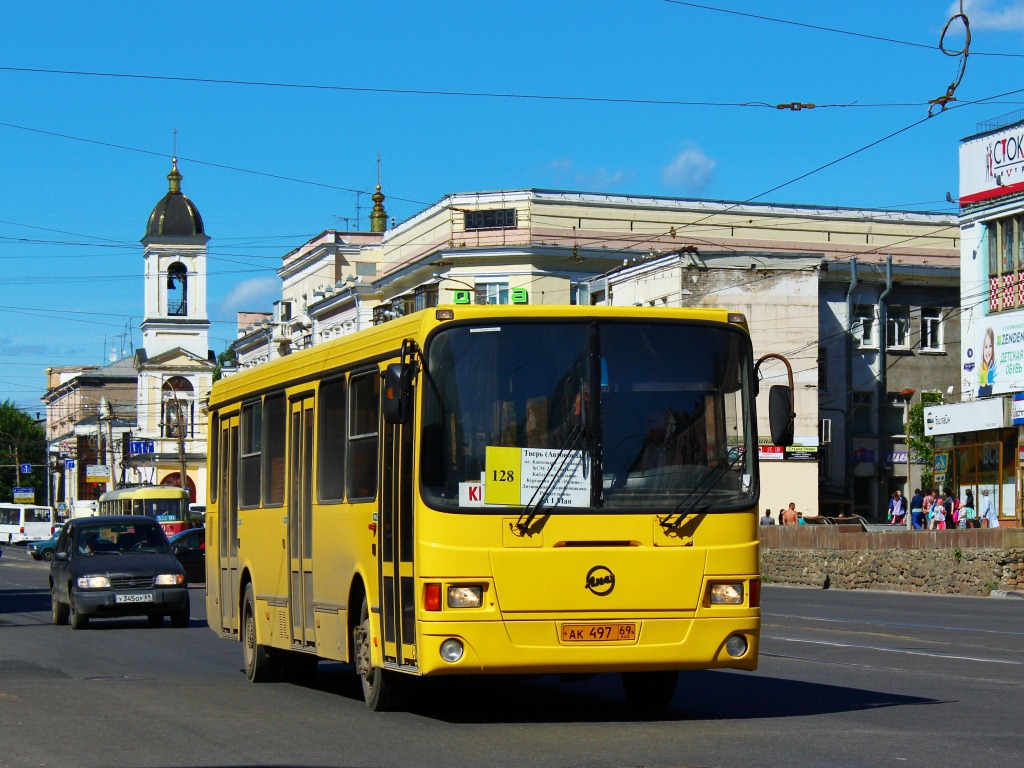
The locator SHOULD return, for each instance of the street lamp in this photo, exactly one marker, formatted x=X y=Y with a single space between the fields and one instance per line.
x=907 y=394
x=105 y=415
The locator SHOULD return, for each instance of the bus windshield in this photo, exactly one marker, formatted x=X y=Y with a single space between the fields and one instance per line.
x=615 y=415
x=161 y=510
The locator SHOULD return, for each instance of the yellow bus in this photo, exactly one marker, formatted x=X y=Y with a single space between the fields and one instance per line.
x=167 y=504
x=494 y=490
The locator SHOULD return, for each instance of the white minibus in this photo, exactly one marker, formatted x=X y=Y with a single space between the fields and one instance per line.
x=25 y=522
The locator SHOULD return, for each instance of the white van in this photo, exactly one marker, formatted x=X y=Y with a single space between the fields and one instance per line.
x=25 y=522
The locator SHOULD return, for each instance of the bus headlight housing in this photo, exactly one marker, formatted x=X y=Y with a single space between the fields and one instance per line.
x=726 y=594
x=465 y=596
x=93 y=582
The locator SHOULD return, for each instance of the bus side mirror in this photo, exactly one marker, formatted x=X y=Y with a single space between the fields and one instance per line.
x=397 y=407
x=780 y=415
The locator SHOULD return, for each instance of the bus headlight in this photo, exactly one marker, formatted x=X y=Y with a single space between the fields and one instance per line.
x=93 y=582
x=465 y=596
x=169 y=579
x=726 y=594
x=451 y=650
x=736 y=646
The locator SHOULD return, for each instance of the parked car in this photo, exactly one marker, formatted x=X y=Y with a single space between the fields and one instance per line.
x=116 y=565
x=43 y=549
x=190 y=549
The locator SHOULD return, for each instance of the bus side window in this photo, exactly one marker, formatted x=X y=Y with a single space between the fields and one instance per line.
x=330 y=469
x=274 y=421
x=252 y=447
x=363 y=443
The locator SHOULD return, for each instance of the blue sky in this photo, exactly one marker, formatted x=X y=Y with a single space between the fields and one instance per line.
x=656 y=89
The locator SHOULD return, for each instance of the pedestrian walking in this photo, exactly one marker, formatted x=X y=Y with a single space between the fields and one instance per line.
x=989 y=515
x=937 y=517
x=768 y=519
x=968 y=512
x=917 y=509
x=897 y=508
x=790 y=516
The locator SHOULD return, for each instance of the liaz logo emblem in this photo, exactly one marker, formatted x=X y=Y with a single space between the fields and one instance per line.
x=600 y=580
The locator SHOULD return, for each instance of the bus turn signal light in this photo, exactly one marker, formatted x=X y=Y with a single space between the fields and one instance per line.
x=432 y=597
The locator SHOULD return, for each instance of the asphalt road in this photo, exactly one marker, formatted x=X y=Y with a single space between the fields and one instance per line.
x=846 y=679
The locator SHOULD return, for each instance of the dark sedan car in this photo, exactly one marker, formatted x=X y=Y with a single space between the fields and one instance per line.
x=116 y=565
x=190 y=549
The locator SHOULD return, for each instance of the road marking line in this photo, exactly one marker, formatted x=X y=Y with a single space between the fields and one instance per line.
x=908 y=652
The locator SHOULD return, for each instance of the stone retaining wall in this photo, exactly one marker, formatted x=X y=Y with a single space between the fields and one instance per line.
x=941 y=562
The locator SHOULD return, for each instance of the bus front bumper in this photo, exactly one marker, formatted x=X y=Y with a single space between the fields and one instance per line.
x=542 y=647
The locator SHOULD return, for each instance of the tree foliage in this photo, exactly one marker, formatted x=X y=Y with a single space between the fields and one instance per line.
x=226 y=359
x=922 y=447
x=22 y=441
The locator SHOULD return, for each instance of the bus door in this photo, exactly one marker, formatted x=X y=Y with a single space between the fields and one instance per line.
x=397 y=581
x=300 y=521
x=227 y=550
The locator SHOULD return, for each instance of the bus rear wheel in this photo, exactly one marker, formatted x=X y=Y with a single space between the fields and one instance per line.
x=383 y=689
x=650 y=690
x=259 y=664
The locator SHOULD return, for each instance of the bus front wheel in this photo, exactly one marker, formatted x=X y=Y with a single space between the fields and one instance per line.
x=383 y=689
x=259 y=666
x=650 y=690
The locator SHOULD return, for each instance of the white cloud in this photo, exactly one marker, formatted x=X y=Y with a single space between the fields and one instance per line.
x=254 y=295
x=563 y=172
x=991 y=14
x=691 y=169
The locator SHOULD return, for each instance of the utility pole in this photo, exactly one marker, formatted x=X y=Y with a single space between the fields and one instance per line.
x=183 y=475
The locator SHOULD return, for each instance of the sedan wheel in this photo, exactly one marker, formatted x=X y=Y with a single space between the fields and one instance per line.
x=47 y=554
x=58 y=609
x=78 y=621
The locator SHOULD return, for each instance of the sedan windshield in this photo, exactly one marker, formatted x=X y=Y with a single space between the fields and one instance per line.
x=649 y=416
x=120 y=538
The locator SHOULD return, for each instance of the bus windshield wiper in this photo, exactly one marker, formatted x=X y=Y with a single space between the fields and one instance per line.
x=686 y=506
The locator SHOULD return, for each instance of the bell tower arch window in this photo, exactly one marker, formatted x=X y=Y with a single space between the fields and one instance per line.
x=177 y=408
x=177 y=290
